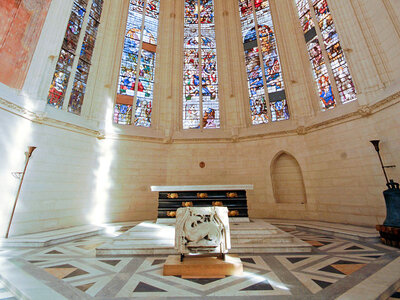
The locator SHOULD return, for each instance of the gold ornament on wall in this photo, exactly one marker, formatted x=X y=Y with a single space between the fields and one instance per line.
x=233 y=213
x=202 y=195
x=217 y=203
x=172 y=195
x=231 y=195
x=171 y=214
x=187 y=204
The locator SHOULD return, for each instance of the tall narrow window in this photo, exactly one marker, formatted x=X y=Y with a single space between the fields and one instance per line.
x=85 y=58
x=331 y=52
x=136 y=77
x=61 y=77
x=262 y=62
x=200 y=76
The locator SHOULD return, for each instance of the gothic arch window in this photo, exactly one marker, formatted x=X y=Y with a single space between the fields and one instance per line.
x=136 y=77
x=330 y=69
x=65 y=65
x=200 y=75
x=264 y=73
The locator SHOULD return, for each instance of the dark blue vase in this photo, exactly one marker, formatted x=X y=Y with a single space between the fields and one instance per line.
x=392 y=199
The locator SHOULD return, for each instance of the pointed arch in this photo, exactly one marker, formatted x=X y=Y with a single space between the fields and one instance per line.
x=287 y=179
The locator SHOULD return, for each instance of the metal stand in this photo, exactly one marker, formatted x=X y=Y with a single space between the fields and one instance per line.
x=28 y=156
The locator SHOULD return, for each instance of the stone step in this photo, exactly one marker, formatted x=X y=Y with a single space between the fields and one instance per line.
x=44 y=239
x=104 y=251
x=249 y=241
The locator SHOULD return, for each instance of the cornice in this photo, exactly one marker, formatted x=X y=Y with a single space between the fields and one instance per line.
x=363 y=111
x=40 y=118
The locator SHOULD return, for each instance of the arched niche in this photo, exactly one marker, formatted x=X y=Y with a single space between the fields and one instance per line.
x=287 y=179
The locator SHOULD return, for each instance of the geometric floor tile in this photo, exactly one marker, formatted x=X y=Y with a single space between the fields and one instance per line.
x=314 y=283
x=260 y=286
x=85 y=287
x=334 y=266
x=346 y=267
x=294 y=262
x=144 y=287
x=60 y=272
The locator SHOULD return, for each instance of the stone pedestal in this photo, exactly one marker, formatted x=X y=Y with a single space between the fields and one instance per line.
x=203 y=267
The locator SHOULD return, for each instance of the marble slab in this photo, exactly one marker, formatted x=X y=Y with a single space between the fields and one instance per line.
x=181 y=188
x=53 y=237
x=256 y=236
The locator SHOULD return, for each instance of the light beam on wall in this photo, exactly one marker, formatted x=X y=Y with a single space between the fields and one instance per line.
x=15 y=137
x=102 y=178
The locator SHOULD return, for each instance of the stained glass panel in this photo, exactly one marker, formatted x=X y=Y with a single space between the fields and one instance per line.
x=123 y=114
x=82 y=71
x=331 y=43
x=262 y=62
x=136 y=77
x=65 y=60
x=200 y=89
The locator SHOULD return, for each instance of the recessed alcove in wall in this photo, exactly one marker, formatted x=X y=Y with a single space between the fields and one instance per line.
x=287 y=179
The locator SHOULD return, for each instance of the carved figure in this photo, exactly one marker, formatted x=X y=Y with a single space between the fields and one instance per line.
x=202 y=230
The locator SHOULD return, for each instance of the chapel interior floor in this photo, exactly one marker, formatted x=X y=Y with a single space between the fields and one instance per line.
x=340 y=266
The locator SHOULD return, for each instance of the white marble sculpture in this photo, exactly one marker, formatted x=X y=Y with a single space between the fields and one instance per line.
x=202 y=230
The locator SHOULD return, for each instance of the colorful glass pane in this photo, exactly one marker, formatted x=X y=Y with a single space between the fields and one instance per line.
x=262 y=62
x=331 y=43
x=65 y=60
x=123 y=114
x=136 y=77
x=82 y=71
x=200 y=89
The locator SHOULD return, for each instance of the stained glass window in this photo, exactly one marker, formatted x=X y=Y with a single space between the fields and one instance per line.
x=61 y=77
x=264 y=74
x=82 y=71
x=326 y=56
x=200 y=75
x=136 y=77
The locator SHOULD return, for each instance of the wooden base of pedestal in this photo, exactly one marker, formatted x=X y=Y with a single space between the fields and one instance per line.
x=389 y=235
x=203 y=267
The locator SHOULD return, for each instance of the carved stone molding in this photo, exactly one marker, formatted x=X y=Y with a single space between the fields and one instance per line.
x=365 y=111
x=301 y=130
x=41 y=118
x=18 y=110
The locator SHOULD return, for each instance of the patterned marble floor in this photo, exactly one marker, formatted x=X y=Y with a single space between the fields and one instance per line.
x=72 y=271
